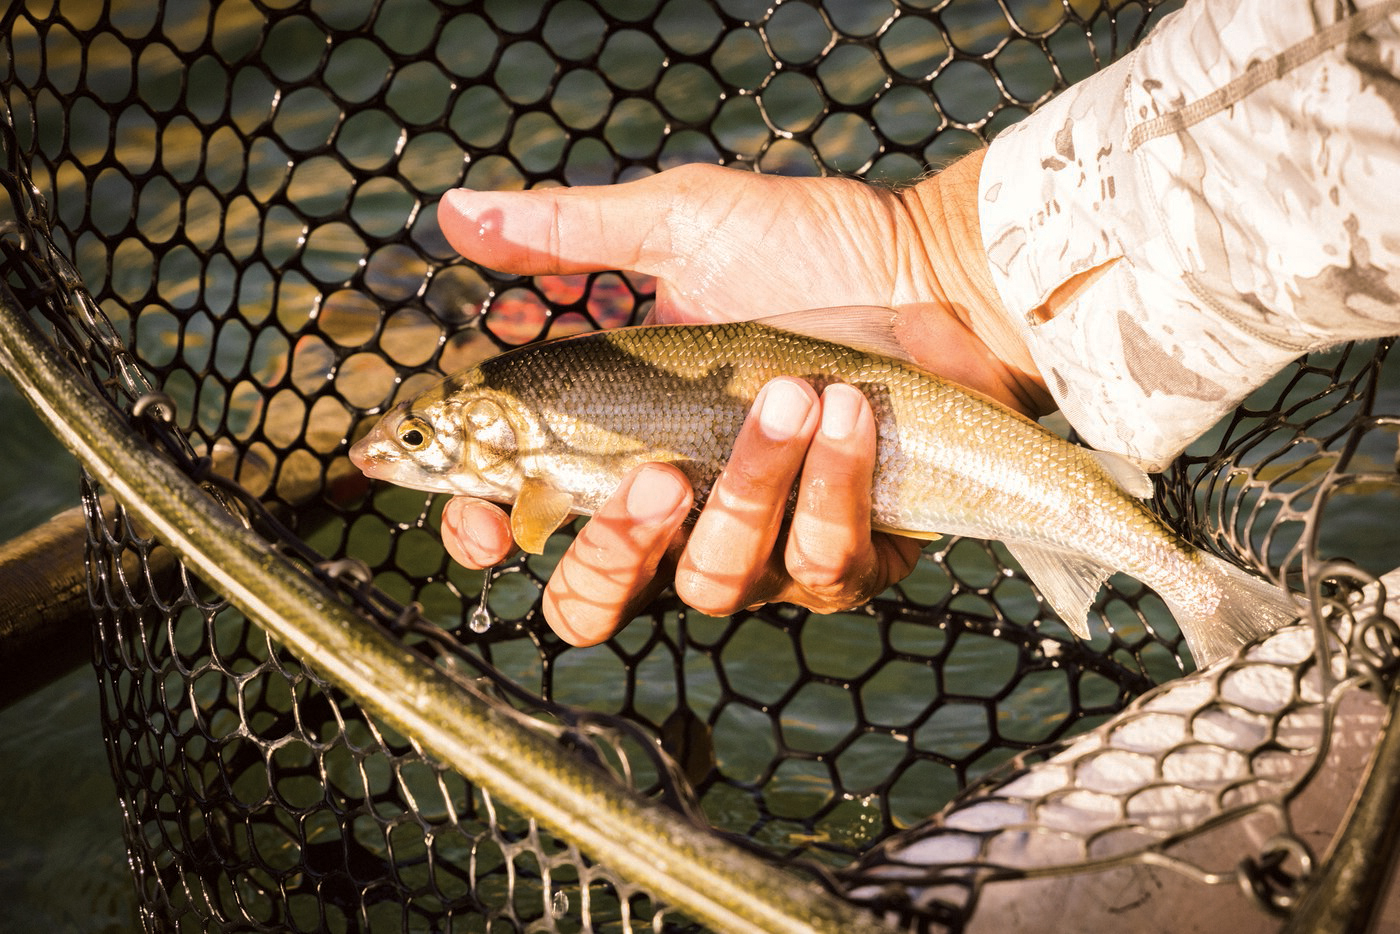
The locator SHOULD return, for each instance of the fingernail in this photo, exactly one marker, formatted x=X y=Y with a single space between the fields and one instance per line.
x=840 y=411
x=654 y=496
x=782 y=410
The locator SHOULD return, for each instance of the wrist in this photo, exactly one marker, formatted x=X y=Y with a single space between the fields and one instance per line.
x=943 y=210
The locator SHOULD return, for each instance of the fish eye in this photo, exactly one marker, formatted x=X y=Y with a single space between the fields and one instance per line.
x=414 y=433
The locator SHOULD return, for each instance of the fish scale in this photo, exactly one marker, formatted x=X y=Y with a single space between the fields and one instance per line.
x=553 y=427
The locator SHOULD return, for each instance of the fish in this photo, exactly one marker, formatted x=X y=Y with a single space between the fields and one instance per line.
x=553 y=427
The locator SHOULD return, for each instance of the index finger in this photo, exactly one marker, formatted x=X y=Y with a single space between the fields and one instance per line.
x=610 y=571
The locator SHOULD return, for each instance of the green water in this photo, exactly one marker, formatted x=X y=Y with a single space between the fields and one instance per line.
x=62 y=860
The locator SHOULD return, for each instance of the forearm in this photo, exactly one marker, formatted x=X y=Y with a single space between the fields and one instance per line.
x=1169 y=233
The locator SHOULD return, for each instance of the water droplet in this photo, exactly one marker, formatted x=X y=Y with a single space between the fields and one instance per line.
x=560 y=905
x=480 y=618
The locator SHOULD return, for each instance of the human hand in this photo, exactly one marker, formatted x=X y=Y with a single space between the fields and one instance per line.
x=727 y=245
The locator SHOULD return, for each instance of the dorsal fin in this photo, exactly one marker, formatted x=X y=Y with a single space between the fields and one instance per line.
x=865 y=327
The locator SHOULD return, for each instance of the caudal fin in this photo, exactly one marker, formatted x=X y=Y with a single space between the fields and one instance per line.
x=1249 y=607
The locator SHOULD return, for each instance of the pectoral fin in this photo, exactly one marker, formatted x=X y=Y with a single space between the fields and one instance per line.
x=865 y=327
x=538 y=512
x=1068 y=583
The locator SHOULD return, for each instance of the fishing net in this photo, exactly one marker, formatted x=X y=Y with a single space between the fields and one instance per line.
x=223 y=215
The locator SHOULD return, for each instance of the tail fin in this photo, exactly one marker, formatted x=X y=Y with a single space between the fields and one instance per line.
x=1249 y=607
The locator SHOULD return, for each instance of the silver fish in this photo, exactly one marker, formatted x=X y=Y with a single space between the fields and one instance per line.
x=553 y=427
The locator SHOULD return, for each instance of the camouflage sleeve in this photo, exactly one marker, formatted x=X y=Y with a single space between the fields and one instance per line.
x=1172 y=231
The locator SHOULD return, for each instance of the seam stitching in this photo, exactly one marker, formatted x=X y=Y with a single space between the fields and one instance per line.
x=1259 y=74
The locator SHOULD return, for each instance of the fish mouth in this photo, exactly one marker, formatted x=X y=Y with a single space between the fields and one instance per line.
x=363 y=457
x=357 y=457
x=377 y=459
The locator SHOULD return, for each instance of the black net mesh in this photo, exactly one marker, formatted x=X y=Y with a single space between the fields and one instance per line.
x=247 y=193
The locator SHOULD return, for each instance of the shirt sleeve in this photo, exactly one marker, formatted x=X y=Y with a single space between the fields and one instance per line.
x=1172 y=231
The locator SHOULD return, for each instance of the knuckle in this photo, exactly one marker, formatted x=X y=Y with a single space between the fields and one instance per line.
x=820 y=576
x=840 y=601
x=578 y=621
x=695 y=174
x=832 y=582
x=744 y=481
x=701 y=592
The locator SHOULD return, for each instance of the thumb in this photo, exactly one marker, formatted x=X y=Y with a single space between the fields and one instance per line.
x=561 y=231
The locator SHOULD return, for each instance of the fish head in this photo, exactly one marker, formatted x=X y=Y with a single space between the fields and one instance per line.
x=463 y=443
